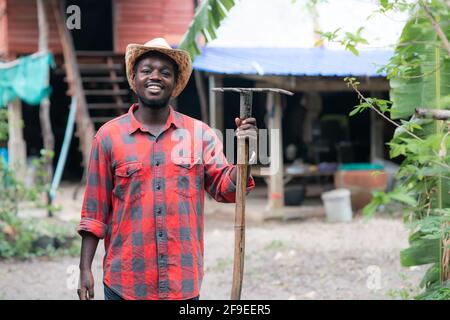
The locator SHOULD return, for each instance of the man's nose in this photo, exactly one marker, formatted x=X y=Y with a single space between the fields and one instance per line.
x=155 y=75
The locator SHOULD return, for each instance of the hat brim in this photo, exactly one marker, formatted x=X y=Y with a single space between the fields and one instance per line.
x=181 y=58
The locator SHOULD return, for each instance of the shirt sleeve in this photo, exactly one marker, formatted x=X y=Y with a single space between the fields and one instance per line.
x=218 y=182
x=97 y=197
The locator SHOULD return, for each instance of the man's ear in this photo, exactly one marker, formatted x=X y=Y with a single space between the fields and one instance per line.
x=133 y=78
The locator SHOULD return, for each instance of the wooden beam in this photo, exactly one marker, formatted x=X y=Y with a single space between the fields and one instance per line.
x=276 y=185
x=85 y=128
x=320 y=84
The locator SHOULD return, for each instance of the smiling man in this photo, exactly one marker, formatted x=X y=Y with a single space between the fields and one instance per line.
x=145 y=190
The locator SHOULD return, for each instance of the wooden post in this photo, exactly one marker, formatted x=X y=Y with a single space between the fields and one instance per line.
x=215 y=104
x=241 y=186
x=17 y=151
x=201 y=91
x=276 y=185
x=212 y=101
x=376 y=133
x=44 y=111
x=313 y=106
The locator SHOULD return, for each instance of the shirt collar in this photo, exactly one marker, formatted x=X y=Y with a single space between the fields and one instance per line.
x=174 y=118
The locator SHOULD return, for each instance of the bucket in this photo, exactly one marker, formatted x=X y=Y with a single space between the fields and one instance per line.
x=338 y=207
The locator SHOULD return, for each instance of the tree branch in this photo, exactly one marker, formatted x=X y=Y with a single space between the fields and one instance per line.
x=361 y=96
x=436 y=114
x=436 y=26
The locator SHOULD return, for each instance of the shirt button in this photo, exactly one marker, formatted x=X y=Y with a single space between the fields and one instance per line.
x=158 y=210
x=158 y=187
x=157 y=163
x=160 y=234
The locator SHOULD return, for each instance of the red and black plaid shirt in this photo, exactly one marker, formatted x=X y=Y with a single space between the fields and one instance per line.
x=145 y=194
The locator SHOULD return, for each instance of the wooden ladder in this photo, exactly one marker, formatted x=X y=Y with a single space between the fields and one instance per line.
x=97 y=79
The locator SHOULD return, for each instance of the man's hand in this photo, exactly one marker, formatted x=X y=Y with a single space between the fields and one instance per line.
x=246 y=128
x=86 y=285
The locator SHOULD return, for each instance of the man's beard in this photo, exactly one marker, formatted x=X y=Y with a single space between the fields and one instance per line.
x=155 y=104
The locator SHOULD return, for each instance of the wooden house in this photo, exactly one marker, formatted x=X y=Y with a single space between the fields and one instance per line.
x=88 y=40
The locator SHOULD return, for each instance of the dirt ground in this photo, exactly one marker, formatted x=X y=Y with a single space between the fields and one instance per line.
x=301 y=258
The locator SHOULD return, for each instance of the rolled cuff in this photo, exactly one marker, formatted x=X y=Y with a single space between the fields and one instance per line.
x=97 y=228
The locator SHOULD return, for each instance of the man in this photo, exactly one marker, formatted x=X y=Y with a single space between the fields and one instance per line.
x=145 y=185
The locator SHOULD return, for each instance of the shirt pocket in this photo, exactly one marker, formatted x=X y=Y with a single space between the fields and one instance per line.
x=187 y=176
x=128 y=181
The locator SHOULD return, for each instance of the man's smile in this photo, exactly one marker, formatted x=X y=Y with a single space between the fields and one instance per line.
x=154 y=88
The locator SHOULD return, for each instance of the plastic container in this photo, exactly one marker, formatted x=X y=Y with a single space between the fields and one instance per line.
x=338 y=207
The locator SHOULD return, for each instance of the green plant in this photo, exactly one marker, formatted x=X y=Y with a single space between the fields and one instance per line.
x=38 y=237
x=222 y=264
x=275 y=245
x=208 y=16
x=419 y=74
x=407 y=291
x=22 y=238
x=3 y=124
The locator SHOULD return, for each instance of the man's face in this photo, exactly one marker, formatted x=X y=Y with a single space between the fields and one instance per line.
x=155 y=80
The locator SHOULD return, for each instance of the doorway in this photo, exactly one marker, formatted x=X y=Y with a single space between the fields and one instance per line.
x=96 y=31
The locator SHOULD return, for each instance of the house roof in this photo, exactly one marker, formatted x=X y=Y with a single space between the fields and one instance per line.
x=290 y=61
x=277 y=37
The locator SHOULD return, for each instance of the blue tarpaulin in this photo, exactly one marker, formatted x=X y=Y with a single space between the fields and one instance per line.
x=291 y=61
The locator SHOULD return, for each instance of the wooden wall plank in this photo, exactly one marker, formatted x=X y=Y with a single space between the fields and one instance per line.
x=3 y=31
x=136 y=21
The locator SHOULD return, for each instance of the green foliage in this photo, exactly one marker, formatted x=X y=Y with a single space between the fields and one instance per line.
x=419 y=74
x=275 y=245
x=3 y=124
x=14 y=191
x=407 y=291
x=349 y=40
x=207 y=19
x=24 y=238
x=222 y=264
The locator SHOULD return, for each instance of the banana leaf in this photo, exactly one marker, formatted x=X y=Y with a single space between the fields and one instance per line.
x=422 y=79
x=421 y=251
x=208 y=17
x=425 y=81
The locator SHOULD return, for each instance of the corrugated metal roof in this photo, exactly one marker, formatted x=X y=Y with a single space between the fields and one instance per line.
x=291 y=61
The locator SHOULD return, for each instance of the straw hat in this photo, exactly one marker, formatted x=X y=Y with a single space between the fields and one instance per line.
x=181 y=57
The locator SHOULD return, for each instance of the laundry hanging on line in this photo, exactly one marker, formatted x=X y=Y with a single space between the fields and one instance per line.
x=26 y=78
